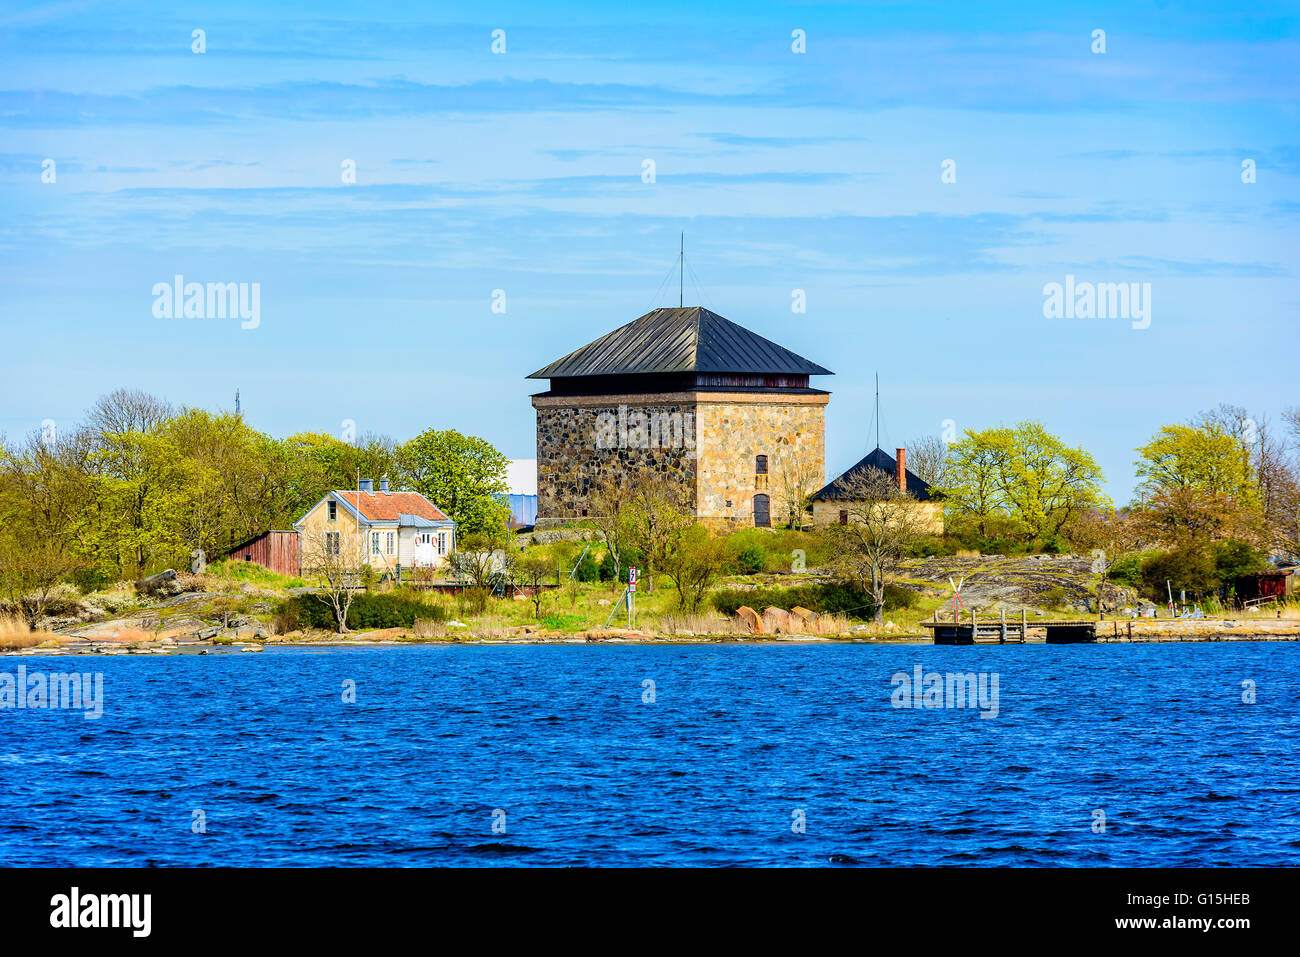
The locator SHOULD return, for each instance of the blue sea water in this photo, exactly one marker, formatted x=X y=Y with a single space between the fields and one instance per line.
x=556 y=743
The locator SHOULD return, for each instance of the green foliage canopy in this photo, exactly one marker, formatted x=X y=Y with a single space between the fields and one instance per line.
x=1025 y=473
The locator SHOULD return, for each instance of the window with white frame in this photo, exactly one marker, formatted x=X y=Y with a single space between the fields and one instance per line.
x=388 y=543
x=374 y=543
x=442 y=543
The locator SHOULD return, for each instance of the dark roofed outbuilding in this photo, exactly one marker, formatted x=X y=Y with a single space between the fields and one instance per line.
x=881 y=461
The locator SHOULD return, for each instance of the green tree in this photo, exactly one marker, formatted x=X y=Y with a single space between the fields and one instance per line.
x=610 y=505
x=40 y=498
x=1025 y=473
x=141 y=496
x=657 y=516
x=1203 y=458
x=693 y=563
x=461 y=474
x=531 y=571
x=481 y=559
x=882 y=522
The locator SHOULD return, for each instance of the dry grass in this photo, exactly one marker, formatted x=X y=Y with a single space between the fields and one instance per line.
x=675 y=623
x=427 y=628
x=486 y=628
x=478 y=628
x=15 y=634
x=835 y=624
x=710 y=625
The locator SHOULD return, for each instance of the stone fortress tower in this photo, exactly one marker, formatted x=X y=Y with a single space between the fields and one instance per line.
x=689 y=395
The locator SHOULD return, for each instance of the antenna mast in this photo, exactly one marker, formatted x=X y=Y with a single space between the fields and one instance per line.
x=681 y=271
x=877 y=410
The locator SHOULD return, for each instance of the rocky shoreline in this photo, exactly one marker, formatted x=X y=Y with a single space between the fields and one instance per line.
x=1150 y=631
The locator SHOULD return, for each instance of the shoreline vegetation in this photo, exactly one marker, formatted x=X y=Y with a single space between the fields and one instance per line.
x=245 y=608
x=111 y=537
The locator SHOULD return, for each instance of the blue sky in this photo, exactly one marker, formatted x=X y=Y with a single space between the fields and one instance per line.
x=522 y=171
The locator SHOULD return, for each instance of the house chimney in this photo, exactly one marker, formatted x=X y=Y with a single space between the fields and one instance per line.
x=900 y=469
x=367 y=485
x=383 y=485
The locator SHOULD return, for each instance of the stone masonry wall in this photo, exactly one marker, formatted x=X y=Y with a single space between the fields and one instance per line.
x=582 y=441
x=708 y=441
x=929 y=515
x=733 y=430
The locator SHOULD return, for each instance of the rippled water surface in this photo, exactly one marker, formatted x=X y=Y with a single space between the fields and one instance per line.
x=739 y=738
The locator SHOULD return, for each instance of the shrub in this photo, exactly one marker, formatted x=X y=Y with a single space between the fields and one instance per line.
x=1233 y=559
x=89 y=580
x=103 y=604
x=287 y=618
x=62 y=599
x=607 y=567
x=926 y=547
x=1002 y=546
x=1052 y=546
x=896 y=596
x=369 y=610
x=1127 y=570
x=1189 y=567
x=627 y=558
x=750 y=560
x=475 y=600
x=588 y=570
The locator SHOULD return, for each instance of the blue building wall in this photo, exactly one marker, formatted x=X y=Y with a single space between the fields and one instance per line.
x=523 y=509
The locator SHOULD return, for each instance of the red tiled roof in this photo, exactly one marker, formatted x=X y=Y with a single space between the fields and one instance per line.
x=378 y=507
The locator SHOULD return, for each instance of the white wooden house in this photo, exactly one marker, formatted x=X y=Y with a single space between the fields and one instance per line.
x=398 y=530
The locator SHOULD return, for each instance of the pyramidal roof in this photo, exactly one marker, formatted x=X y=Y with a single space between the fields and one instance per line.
x=877 y=460
x=689 y=339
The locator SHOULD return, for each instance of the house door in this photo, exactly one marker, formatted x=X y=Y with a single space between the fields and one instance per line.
x=762 y=511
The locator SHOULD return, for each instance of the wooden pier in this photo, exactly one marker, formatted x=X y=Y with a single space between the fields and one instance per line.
x=1001 y=630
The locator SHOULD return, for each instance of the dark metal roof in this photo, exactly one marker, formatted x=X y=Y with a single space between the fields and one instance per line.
x=879 y=460
x=690 y=339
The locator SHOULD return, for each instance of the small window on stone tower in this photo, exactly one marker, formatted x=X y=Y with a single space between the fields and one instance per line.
x=762 y=511
x=760 y=471
x=844 y=517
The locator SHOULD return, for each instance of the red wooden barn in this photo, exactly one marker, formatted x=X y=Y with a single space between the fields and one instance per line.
x=1277 y=584
x=276 y=550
